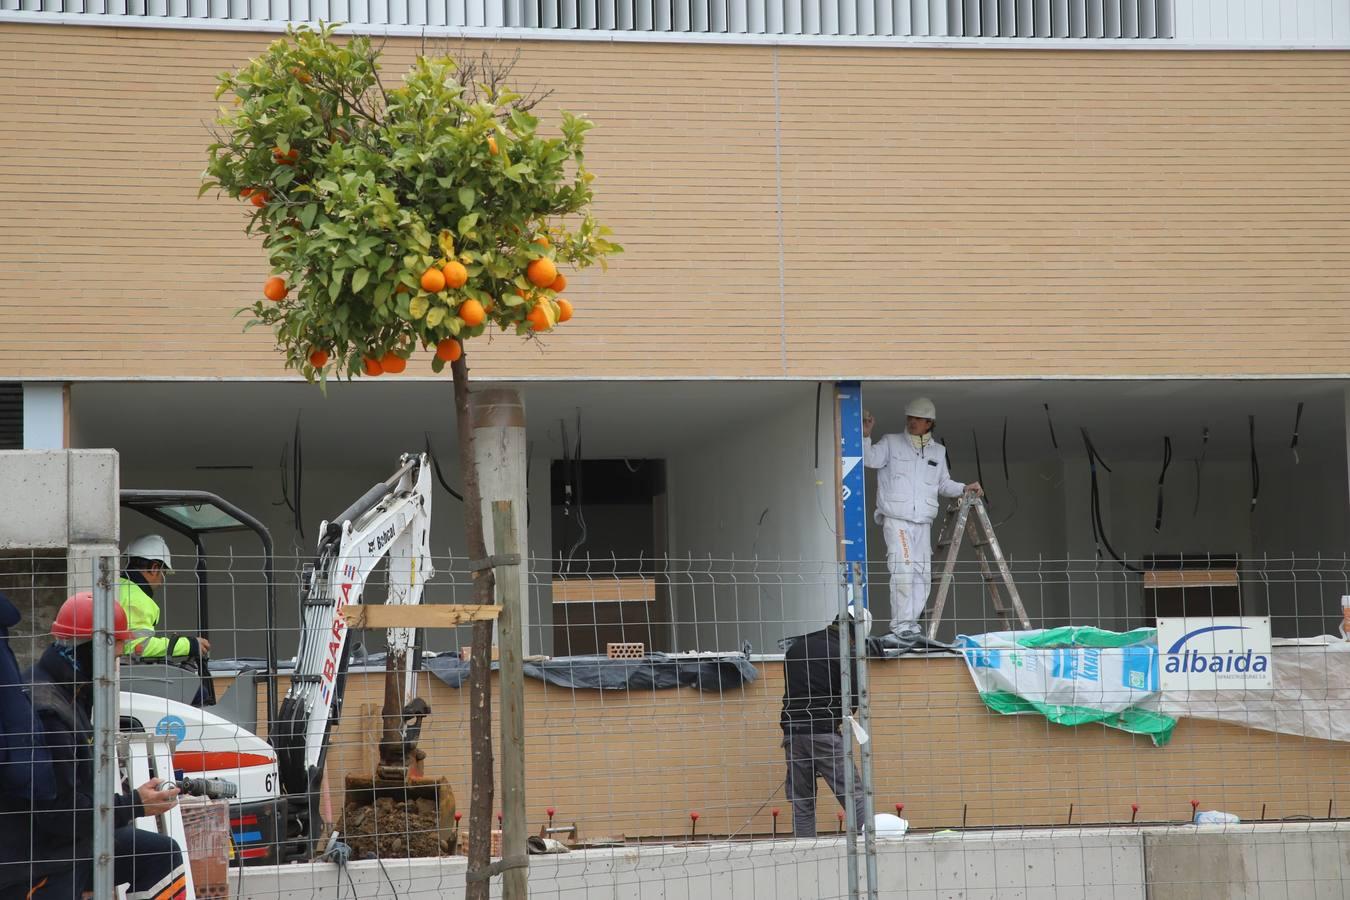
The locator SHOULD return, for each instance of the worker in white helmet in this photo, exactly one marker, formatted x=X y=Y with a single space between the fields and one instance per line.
x=912 y=475
x=148 y=563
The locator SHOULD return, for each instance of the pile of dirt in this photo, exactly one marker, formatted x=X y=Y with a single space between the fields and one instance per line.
x=395 y=829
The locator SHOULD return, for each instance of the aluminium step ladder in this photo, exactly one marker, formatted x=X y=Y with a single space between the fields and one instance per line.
x=968 y=515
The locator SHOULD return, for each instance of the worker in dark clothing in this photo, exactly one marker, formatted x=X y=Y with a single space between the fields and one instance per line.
x=48 y=827
x=812 y=718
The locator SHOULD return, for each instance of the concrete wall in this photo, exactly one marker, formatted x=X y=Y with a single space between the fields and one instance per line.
x=1279 y=862
x=1079 y=864
x=756 y=493
x=58 y=518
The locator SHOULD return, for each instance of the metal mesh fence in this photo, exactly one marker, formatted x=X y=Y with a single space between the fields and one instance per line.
x=656 y=758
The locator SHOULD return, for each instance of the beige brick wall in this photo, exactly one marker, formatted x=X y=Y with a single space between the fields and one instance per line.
x=944 y=213
x=635 y=763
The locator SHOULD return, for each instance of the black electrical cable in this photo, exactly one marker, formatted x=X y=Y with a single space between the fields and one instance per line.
x=1099 y=537
x=1162 y=477
x=1256 y=465
x=436 y=468
x=818 y=386
x=1007 y=479
x=299 y=464
x=1199 y=464
x=1298 y=417
x=285 y=478
x=1005 y=451
x=979 y=470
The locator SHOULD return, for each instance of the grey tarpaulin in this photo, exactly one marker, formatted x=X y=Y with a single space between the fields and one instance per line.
x=655 y=671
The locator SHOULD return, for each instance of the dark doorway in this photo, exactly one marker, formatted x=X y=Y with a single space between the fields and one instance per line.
x=609 y=541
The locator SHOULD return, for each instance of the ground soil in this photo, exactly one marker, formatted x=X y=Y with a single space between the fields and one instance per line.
x=395 y=829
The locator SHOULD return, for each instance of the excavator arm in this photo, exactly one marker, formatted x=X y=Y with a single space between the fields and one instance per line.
x=392 y=520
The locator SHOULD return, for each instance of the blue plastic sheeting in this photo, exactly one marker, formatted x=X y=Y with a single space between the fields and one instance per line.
x=656 y=671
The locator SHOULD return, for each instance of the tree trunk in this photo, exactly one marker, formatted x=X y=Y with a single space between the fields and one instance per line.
x=480 y=665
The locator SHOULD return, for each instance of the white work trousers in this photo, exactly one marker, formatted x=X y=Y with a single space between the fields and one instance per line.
x=909 y=558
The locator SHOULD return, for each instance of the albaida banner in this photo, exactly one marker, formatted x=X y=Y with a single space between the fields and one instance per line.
x=1072 y=676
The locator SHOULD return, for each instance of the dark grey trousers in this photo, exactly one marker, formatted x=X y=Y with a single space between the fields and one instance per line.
x=809 y=756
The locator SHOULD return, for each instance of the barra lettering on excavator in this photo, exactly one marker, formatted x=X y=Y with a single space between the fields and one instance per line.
x=330 y=663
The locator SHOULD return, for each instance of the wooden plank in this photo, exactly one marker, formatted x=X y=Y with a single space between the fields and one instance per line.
x=1191 y=578
x=437 y=615
x=604 y=590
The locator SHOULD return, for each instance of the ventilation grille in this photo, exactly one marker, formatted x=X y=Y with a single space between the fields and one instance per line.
x=883 y=18
x=11 y=416
x=921 y=19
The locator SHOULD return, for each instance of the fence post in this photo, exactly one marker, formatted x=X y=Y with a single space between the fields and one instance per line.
x=515 y=880
x=105 y=701
x=846 y=502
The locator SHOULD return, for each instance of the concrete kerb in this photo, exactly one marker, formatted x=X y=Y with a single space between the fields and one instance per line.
x=1064 y=864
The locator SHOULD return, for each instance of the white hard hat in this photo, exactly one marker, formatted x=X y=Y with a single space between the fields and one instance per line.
x=921 y=407
x=853 y=613
x=889 y=826
x=151 y=547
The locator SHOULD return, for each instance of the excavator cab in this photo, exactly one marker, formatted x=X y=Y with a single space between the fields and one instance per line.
x=196 y=515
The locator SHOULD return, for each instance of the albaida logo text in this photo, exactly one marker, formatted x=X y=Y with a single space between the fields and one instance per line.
x=1192 y=661
x=1195 y=662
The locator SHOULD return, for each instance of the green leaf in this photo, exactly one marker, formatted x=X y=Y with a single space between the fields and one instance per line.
x=454 y=323
x=512 y=299
x=437 y=365
x=328 y=185
x=446 y=241
x=307 y=215
x=417 y=306
x=436 y=316
x=359 y=279
x=335 y=286
x=466 y=222
x=466 y=197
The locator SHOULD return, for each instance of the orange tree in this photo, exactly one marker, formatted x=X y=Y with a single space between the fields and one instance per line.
x=421 y=215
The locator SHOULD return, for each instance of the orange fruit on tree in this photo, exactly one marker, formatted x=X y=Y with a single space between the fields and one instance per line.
x=318 y=358
x=455 y=274
x=538 y=319
x=522 y=293
x=392 y=363
x=558 y=284
x=543 y=241
x=541 y=272
x=301 y=75
x=372 y=366
x=275 y=288
x=564 y=310
x=259 y=198
x=433 y=282
x=449 y=349
x=472 y=312
x=492 y=145
x=245 y=193
x=285 y=157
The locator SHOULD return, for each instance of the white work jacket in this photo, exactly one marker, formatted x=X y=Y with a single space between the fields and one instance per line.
x=909 y=481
